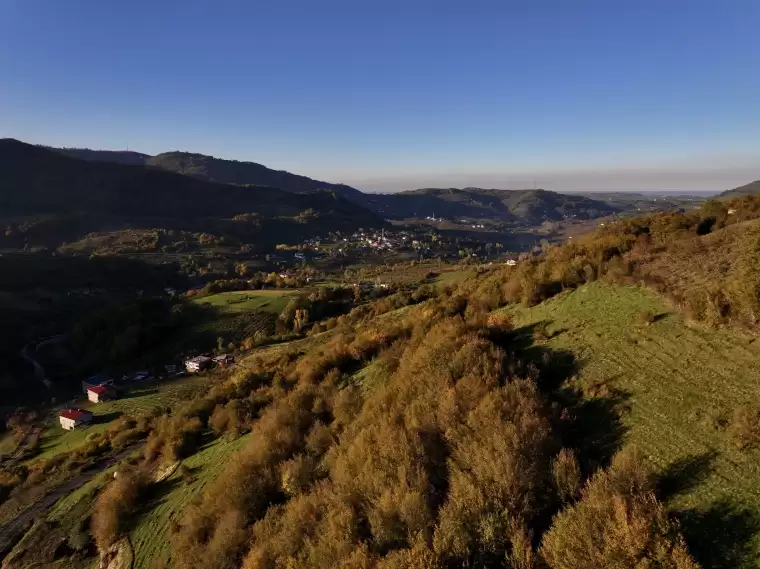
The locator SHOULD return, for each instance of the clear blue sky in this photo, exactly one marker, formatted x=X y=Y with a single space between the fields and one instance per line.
x=385 y=94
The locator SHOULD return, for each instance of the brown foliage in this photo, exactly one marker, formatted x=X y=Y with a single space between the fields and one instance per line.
x=744 y=426
x=498 y=476
x=617 y=523
x=114 y=506
x=446 y=459
x=567 y=475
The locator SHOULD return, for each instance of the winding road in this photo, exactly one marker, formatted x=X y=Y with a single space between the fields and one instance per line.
x=39 y=371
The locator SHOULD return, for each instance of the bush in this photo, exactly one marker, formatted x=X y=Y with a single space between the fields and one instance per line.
x=114 y=506
x=744 y=426
x=567 y=475
x=617 y=523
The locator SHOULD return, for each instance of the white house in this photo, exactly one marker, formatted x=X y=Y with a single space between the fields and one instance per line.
x=98 y=393
x=72 y=418
x=196 y=364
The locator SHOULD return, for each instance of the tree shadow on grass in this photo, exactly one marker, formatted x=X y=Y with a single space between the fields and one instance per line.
x=589 y=425
x=140 y=393
x=721 y=537
x=685 y=474
x=593 y=427
x=153 y=496
x=101 y=418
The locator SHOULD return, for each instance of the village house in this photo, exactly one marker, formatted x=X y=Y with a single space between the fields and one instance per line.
x=99 y=393
x=197 y=364
x=100 y=379
x=96 y=380
x=72 y=418
x=224 y=360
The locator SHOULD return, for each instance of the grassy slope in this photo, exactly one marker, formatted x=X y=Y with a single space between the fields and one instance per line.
x=455 y=276
x=681 y=382
x=272 y=301
x=138 y=401
x=151 y=535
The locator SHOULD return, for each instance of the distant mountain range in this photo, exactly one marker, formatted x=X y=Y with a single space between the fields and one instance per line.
x=530 y=207
x=36 y=181
x=526 y=207
x=214 y=169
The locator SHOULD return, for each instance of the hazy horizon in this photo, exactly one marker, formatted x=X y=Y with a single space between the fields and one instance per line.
x=704 y=181
x=592 y=95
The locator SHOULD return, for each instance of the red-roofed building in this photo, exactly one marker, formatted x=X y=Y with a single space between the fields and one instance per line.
x=98 y=393
x=72 y=418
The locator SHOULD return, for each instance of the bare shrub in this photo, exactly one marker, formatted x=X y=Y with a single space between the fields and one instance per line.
x=296 y=474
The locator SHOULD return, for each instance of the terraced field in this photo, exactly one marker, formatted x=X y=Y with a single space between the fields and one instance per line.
x=676 y=386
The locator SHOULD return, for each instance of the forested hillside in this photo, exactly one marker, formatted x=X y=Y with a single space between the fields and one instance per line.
x=82 y=196
x=526 y=207
x=748 y=189
x=214 y=169
x=518 y=207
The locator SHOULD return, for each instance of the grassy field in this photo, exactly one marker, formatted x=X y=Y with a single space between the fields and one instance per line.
x=136 y=402
x=272 y=301
x=676 y=385
x=455 y=276
x=236 y=315
x=151 y=534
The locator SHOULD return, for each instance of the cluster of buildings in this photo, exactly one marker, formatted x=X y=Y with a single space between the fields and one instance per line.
x=202 y=363
x=100 y=388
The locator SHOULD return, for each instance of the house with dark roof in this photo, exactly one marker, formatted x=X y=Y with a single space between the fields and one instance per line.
x=95 y=380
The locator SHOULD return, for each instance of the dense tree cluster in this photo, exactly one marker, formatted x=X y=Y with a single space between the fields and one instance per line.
x=454 y=459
